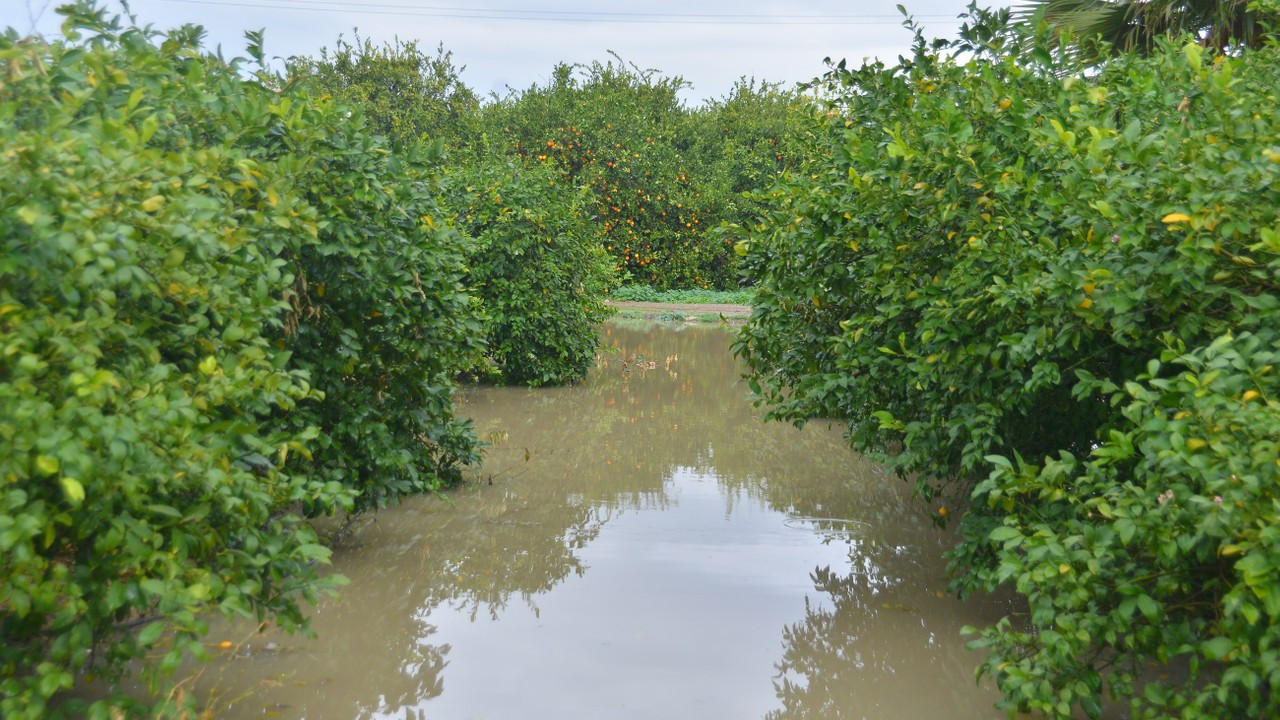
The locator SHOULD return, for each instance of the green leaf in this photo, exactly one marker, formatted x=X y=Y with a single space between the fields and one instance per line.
x=150 y=633
x=1216 y=648
x=1149 y=608
x=1193 y=52
x=1005 y=533
x=314 y=551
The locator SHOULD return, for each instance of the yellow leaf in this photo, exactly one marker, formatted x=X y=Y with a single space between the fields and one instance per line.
x=1086 y=303
x=1195 y=444
x=153 y=203
x=1175 y=218
x=1089 y=288
x=208 y=365
x=1249 y=395
x=46 y=465
x=1063 y=569
x=72 y=488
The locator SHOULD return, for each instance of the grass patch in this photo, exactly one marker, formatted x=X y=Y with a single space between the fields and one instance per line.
x=644 y=293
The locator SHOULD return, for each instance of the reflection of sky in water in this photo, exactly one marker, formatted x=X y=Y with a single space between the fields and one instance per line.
x=676 y=616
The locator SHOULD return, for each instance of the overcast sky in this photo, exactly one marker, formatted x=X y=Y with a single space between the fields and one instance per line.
x=710 y=43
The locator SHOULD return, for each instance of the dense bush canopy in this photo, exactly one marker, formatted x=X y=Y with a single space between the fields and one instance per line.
x=223 y=303
x=1056 y=291
x=534 y=266
x=537 y=273
x=662 y=176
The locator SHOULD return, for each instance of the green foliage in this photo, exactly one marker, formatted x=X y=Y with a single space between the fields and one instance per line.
x=983 y=261
x=644 y=293
x=378 y=317
x=1137 y=25
x=532 y=263
x=137 y=297
x=1164 y=545
x=535 y=266
x=404 y=94
x=661 y=176
x=742 y=141
x=221 y=303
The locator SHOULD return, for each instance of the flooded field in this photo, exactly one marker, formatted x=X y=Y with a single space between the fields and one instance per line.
x=641 y=545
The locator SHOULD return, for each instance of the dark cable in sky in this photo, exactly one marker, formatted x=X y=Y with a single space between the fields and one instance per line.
x=584 y=16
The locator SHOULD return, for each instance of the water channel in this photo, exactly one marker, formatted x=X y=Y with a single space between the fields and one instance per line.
x=640 y=545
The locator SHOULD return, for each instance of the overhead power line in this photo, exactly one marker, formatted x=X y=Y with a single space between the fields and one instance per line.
x=576 y=16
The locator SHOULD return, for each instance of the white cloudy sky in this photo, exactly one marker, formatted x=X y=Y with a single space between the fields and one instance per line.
x=708 y=42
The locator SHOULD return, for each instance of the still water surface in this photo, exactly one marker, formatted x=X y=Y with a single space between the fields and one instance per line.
x=640 y=545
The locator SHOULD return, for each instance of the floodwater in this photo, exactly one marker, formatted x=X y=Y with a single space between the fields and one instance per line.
x=640 y=545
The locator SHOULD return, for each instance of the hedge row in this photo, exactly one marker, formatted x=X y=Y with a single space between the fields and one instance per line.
x=1052 y=294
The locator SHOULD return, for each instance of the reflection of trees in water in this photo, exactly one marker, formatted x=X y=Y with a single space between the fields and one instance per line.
x=871 y=645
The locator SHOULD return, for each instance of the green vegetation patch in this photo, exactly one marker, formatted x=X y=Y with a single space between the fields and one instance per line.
x=1051 y=291
x=644 y=293
x=225 y=305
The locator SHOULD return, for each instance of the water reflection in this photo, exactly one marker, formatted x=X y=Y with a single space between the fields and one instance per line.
x=640 y=545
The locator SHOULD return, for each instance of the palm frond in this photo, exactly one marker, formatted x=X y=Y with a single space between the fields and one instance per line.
x=1134 y=25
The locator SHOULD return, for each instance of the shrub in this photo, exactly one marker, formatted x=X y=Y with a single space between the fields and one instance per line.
x=635 y=293
x=378 y=315
x=137 y=299
x=996 y=256
x=221 y=303
x=534 y=266
x=405 y=94
x=662 y=176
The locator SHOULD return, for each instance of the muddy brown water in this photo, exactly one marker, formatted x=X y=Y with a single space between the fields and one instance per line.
x=640 y=545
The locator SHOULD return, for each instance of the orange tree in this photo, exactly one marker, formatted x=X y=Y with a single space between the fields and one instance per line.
x=221 y=307
x=406 y=94
x=660 y=177
x=742 y=141
x=1055 y=289
x=533 y=266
